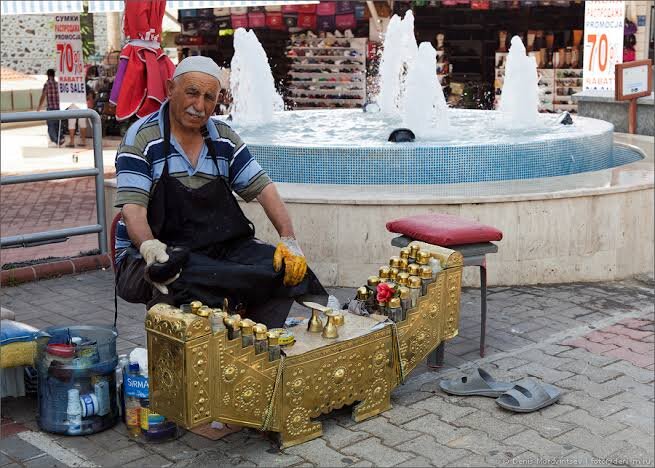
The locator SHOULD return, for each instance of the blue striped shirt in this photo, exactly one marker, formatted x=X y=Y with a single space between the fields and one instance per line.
x=140 y=163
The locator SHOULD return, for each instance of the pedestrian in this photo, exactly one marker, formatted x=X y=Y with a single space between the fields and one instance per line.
x=50 y=95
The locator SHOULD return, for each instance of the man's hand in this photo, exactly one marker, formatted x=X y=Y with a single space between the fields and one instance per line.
x=295 y=266
x=154 y=251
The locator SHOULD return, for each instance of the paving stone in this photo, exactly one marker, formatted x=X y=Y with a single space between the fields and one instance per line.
x=596 y=390
x=433 y=426
x=111 y=439
x=4 y=459
x=438 y=454
x=380 y=455
x=479 y=442
x=151 y=460
x=641 y=360
x=510 y=362
x=635 y=437
x=596 y=426
x=632 y=400
x=497 y=429
x=542 y=372
x=631 y=456
x=82 y=446
x=316 y=451
x=635 y=417
x=339 y=437
x=630 y=385
x=637 y=373
x=417 y=462
x=173 y=450
x=595 y=407
x=447 y=412
x=545 y=424
x=599 y=446
x=363 y=463
x=598 y=360
x=596 y=374
x=531 y=440
x=18 y=449
x=118 y=457
x=43 y=462
x=262 y=452
x=591 y=346
x=401 y=414
x=390 y=434
x=487 y=404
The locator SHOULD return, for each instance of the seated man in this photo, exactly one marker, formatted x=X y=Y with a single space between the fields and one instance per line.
x=176 y=171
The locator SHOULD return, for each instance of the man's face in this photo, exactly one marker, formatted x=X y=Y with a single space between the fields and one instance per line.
x=192 y=99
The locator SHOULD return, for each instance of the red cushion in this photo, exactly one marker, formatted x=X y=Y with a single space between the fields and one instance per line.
x=444 y=230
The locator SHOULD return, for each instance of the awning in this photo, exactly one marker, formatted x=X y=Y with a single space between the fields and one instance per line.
x=102 y=6
x=9 y=7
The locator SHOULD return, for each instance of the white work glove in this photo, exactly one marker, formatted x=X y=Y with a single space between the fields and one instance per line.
x=154 y=251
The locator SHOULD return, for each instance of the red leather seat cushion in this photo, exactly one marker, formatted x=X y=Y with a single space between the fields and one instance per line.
x=444 y=230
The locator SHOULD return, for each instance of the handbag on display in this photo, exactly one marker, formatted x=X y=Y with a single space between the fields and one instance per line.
x=256 y=9
x=361 y=11
x=307 y=9
x=239 y=21
x=344 y=8
x=274 y=20
x=346 y=21
x=257 y=20
x=205 y=13
x=239 y=11
x=306 y=21
x=326 y=23
x=290 y=20
x=326 y=9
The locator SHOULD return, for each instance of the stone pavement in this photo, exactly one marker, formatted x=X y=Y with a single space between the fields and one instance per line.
x=56 y=204
x=591 y=340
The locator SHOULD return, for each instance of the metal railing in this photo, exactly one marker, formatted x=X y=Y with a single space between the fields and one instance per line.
x=59 y=235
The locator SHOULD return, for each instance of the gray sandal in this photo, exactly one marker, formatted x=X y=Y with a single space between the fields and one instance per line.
x=529 y=395
x=477 y=383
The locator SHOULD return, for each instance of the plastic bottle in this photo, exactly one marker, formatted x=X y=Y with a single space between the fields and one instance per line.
x=101 y=389
x=133 y=406
x=74 y=412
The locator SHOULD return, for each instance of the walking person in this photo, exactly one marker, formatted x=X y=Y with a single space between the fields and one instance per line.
x=50 y=95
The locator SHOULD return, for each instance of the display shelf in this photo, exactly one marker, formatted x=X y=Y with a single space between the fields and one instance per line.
x=335 y=84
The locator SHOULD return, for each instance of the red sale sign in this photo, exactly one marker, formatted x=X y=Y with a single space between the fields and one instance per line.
x=603 y=44
x=70 y=63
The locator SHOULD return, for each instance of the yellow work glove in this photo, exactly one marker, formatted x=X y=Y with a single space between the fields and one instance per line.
x=288 y=253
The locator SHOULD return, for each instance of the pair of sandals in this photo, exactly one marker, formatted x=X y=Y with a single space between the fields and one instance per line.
x=524 y=396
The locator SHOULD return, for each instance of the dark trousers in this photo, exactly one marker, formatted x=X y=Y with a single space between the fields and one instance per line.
x=243 y=274
x=56 y=129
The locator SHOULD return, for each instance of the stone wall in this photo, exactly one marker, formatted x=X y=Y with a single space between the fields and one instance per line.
x=27 y=41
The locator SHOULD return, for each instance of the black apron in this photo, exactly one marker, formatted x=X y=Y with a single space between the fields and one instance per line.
x=226 y=259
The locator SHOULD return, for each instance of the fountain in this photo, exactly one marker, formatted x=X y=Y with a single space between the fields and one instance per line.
x=572 y=200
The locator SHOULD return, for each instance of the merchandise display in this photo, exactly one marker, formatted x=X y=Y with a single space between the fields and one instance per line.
x=327 y=71
x=201 y=374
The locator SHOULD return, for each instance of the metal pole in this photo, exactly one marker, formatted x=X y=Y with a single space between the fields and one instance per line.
x=96 y=124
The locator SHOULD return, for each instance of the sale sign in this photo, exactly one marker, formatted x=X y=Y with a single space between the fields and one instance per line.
x=69 y=58
x=603 y=44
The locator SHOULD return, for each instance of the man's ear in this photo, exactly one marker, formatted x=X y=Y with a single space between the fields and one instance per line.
x=170 y=86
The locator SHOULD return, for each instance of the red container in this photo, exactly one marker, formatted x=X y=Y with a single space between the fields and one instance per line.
x=275 y=20
x=347 y=21
x=257 y=20
x=239 y=21
x=326 y=8
x=480 y=5
x=307 y=9
x=307 y=22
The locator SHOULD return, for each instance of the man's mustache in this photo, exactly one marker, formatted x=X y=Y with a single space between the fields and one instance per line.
x=192 y=111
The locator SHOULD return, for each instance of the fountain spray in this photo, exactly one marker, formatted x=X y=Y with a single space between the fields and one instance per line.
x=255 y=98
x=519 y=102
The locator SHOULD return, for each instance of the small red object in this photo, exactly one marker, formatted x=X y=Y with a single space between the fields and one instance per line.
x=444 y=230
x=61 y=350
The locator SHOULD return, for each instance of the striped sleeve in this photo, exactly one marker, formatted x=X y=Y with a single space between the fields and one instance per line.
x=246 y=176
x=133 y=174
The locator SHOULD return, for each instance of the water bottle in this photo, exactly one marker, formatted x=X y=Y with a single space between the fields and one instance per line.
x=74 y=412
x=133 y=406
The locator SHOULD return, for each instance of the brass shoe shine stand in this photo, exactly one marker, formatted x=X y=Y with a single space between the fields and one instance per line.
x=198 y=374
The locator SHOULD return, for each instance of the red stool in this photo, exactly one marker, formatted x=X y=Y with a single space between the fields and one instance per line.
x=472 y=239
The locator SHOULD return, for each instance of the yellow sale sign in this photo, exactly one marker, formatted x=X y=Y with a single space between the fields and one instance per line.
x=603 y=43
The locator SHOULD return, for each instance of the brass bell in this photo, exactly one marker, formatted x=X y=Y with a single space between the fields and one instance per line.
x=330 y=330
x=315 y=324
x=339 y=319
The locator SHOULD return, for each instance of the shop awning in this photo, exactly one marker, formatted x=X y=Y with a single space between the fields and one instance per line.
x=101 y=6
x=9 y=7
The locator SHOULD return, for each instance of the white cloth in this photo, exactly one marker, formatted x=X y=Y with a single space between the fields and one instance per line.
x=198 y=63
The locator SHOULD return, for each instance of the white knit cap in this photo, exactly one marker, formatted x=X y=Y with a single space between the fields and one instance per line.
x=198 y=63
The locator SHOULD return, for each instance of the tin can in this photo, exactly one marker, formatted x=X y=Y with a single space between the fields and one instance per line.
x=395 y=312
x=426 y=278
x=415 y=287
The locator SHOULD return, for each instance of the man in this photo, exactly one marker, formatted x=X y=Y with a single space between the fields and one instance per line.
x=176 y=171
x=50 y=95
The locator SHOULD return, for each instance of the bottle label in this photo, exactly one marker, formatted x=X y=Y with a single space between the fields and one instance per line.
x=144 y=413
x=136 y=386
x=132 y=416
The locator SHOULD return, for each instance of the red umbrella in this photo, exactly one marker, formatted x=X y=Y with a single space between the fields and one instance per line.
x=139 y=87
